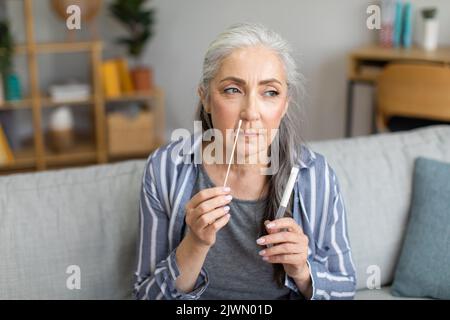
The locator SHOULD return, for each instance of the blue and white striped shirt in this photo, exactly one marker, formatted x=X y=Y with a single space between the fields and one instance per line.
x=167 y=185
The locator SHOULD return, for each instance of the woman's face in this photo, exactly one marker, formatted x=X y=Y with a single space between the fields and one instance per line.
x=250 y=85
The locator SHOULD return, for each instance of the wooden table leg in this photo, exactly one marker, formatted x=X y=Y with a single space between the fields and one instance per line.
x=349 y=112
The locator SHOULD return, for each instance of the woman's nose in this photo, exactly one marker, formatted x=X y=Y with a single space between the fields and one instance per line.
x=250 y=110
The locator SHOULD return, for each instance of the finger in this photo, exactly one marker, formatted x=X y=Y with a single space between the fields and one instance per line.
x=270 y=230
x=285 y=258
x=273 y=230
x=279 y=237
x=218 y=224
x=211 y=204
x=206 y=194
x=283 y=248
x=285 y=223
x=210 y=217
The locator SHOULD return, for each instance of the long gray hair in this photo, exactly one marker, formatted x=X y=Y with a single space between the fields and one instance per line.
x=243 y=35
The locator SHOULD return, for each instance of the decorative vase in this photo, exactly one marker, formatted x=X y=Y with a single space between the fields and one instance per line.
x=61 y=131
x=430 y=34
x=61 y=140
x=142 y=78
x=12 y=86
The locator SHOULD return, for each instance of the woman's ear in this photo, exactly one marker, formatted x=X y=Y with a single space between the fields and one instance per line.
x=203 y=99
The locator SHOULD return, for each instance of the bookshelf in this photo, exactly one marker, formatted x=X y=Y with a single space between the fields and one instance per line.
x=87 y=150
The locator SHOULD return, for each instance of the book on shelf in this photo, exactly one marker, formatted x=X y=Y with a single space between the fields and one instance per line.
x=398 y=24
x=407 y=25
x=126 y=84
x=6 y=154
x=70 y=92
x=386 y=34
x=110 y=79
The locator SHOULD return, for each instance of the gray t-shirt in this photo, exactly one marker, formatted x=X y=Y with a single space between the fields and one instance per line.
x=235 y=269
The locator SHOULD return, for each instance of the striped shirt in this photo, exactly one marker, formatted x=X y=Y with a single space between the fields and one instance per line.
x=167 y=185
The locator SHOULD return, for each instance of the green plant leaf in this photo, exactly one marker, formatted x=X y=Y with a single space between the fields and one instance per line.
x=6 y=48
x=137 y=20
x=429 y=13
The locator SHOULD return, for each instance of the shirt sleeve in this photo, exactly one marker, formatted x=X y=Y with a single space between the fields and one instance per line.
x=157 y=269
x=331 y=269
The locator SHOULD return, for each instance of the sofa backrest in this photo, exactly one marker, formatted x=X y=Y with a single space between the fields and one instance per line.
x=88 y=217
x=50 y=221
x=375 y=174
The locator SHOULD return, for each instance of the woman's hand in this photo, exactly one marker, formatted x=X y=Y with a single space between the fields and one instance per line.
x=207 y=213
x=290 y=247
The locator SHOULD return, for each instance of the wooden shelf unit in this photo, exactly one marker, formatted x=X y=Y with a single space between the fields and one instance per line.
x=39 y=156
x=19 y=104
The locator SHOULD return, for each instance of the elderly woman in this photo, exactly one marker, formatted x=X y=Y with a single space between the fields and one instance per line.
x=201 y=240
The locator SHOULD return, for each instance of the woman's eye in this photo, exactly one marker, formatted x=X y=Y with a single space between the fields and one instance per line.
x=271 y=93
x=231 y=90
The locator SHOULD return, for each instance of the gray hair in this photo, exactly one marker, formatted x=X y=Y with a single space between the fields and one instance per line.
x=243 y=35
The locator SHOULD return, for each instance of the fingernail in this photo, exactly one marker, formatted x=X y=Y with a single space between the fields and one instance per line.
x=265 y=258
x=260 y=241
x=261 y=253
x=228 y=197
x=226 y=189
x=270 y=225
x=226 y=208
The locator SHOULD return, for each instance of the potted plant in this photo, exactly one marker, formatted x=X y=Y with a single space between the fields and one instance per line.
x=138 y=21
x=430 y=29
x=6 y=52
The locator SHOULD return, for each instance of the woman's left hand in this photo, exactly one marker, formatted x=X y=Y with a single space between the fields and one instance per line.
x=290 y=247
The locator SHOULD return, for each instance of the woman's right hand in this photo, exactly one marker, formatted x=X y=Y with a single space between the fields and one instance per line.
x=206 y=213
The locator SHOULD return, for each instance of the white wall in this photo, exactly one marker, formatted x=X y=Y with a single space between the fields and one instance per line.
x=322 y=33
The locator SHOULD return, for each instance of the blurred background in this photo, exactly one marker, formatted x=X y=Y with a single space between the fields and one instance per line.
x=116 y=85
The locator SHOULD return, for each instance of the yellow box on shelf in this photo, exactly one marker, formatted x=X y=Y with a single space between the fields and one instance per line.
x=124 y=76
x=6 y=155
x=110 y=78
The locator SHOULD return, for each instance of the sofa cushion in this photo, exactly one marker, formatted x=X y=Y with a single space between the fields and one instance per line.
x=384 y=293
x=375 y=174
x=85 y=217
x=424 y=266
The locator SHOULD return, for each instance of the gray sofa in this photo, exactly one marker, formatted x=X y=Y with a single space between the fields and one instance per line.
x=88 y=217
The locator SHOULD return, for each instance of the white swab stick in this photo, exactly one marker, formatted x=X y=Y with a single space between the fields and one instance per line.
x=232 y=153
x=286 y=195
x=287 y=192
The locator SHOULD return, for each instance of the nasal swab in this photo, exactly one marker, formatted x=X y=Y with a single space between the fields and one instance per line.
x=232 y=153
x=287 y=193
